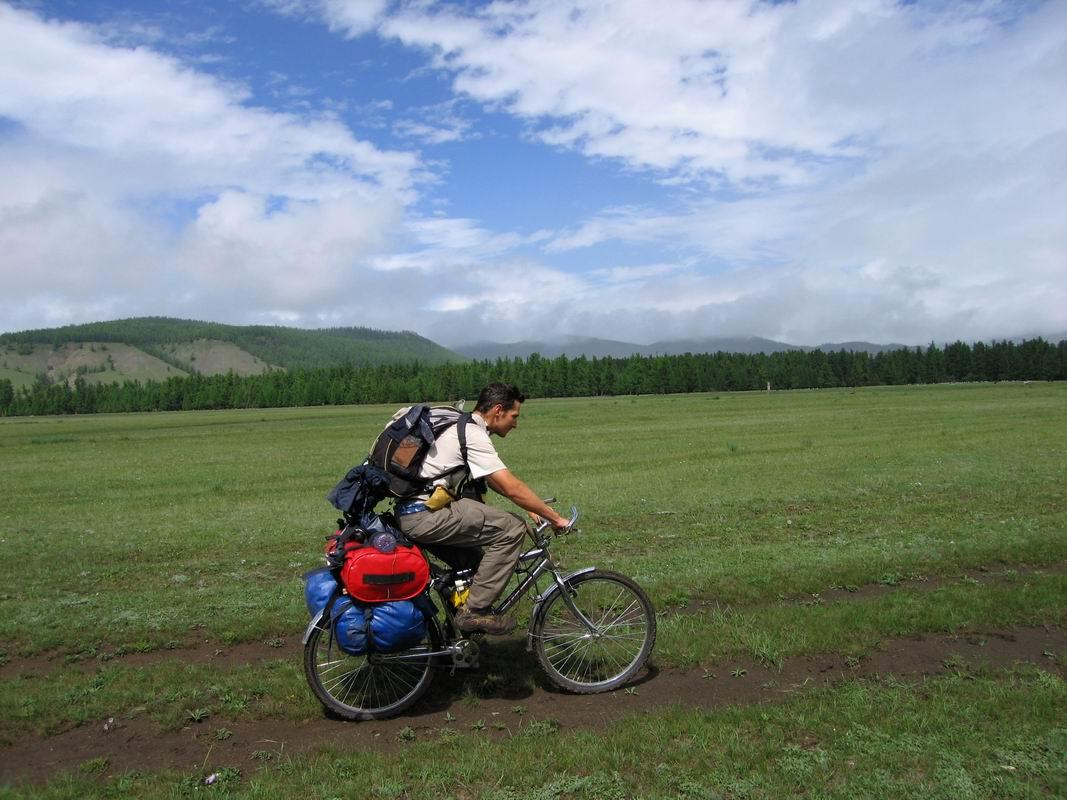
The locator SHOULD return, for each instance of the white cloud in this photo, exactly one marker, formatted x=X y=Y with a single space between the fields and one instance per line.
x=750 y=91
x=695 y=87
x=352 y=18
x=301 y=256
x=437 y=124
x=833 y=170
x=131 y=183
x=503 y=301
x=66 y=87
x=926 y=139
x=935 y=248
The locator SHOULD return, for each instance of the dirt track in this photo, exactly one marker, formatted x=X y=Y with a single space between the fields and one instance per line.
x=136 y=744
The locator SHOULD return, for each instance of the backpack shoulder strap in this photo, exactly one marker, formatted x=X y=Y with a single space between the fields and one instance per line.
x=468 y=481
x=461 y=430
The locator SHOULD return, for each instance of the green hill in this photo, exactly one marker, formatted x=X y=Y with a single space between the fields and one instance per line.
x=153 y=348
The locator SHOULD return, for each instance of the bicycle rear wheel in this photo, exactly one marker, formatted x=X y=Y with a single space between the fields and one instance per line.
x=372 y=686
x=606 y=643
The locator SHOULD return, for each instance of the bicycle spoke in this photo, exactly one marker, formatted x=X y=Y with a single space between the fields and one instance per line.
x=598 y=636
x=359 y=687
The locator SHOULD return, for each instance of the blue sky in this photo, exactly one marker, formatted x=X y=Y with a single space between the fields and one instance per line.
x=810 y=171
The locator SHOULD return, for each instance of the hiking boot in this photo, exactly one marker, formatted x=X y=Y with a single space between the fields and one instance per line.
x=470 y=621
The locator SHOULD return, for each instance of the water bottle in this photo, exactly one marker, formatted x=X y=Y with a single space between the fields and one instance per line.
x=460 y=593
x=383 y=542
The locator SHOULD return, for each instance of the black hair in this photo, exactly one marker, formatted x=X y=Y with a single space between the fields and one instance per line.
x=503 y=393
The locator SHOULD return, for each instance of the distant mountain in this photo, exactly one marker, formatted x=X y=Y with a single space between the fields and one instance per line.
x=856 y=347
x=723 y=344
x=572 y=347
x=1052 y=338
x=152 y=348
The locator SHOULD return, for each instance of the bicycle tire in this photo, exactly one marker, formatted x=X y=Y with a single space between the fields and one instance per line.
x=366 y=687
x=582 y=661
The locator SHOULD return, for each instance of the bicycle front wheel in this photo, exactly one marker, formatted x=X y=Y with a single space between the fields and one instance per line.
x=598 y=636
x=372 y=686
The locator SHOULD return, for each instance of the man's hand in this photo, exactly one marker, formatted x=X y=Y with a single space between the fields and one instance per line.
x=538 y=519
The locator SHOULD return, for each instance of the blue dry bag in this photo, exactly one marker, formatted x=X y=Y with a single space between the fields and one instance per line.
x=362 y=627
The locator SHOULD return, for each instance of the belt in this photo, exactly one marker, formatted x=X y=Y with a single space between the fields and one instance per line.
x=410 y=507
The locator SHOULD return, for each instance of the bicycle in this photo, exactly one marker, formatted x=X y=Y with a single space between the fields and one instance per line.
x=592 y=630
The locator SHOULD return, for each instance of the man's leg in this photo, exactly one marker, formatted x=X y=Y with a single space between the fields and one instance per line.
x=468 y=523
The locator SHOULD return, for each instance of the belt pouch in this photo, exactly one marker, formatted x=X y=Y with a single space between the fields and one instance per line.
x=440 y=498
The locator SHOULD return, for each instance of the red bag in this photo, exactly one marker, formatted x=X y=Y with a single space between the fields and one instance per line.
x=374 y=577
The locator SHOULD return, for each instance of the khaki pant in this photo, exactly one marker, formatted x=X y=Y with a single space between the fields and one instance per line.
x=468 y=523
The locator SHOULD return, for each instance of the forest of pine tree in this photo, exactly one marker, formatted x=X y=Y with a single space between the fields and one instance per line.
x=1034 y=359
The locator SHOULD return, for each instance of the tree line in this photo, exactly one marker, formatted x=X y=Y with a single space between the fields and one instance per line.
x=1034 y=359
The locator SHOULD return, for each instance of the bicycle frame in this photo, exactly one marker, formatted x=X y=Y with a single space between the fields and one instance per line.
x=559 y=584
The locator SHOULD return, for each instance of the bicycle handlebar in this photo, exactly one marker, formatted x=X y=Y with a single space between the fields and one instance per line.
x=570 y=524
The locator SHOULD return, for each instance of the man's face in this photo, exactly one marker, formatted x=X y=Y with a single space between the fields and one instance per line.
x=501 y=421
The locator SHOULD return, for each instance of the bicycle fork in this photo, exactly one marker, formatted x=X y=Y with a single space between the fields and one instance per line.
x=561 y=584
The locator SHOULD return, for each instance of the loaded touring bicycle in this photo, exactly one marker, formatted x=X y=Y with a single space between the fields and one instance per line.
x=383 y=614
x=591 y=630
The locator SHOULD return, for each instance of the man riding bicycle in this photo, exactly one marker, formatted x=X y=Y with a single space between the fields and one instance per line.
x=464 y=521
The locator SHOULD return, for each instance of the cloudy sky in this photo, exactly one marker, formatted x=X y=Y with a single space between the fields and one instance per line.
x=812 y=171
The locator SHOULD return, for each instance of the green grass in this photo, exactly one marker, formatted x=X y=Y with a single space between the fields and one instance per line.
x=959 y=737
x=166 y=693
x=773 y=633
x=165 y=521
x=143 y=532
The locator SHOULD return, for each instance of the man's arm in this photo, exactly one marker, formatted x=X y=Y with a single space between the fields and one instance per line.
x=504 y=482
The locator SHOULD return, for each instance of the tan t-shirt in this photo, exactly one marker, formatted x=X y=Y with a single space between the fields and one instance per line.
x=445 y=455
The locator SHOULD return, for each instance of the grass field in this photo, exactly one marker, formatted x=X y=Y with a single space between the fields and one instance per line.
x=767 y=527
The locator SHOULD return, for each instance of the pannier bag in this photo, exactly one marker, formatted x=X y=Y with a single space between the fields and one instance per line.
x=359 y=628
x=319 y=587
x=374 y=576
x=378 y=627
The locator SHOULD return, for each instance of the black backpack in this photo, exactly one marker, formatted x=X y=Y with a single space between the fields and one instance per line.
x=401 y=448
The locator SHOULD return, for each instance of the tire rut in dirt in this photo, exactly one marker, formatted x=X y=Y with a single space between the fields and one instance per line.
x=137 y=745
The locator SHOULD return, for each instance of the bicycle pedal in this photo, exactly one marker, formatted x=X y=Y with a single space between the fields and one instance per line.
x=464 y=654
